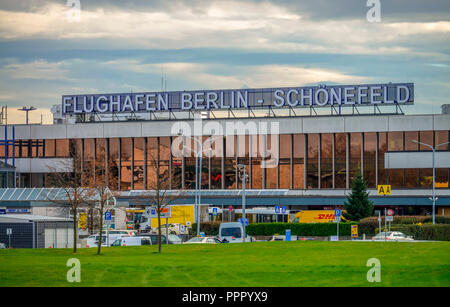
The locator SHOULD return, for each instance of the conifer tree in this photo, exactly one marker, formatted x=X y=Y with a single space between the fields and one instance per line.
x=358 y=205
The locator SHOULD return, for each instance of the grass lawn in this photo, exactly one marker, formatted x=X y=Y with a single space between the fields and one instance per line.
x=301 y=263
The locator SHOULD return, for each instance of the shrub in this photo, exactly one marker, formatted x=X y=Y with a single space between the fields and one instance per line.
x=299 y=229
x=370 y=224
x=438 y=232
x=209 y=228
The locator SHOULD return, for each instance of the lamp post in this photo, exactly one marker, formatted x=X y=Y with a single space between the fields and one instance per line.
x=244 y=178
x=433 y=198
x=197 y=179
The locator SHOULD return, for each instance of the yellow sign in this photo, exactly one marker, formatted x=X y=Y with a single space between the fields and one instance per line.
x=384 y=189
x=82 y=221
x=180 y=215
x=354 y=231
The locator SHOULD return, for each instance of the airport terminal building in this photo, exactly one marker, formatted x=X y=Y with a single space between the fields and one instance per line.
x=301 y=147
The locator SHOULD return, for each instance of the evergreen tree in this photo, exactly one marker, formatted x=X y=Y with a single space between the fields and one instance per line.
x=358 y=205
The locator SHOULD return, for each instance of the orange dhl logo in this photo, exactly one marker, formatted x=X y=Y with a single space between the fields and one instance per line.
x=326 y=217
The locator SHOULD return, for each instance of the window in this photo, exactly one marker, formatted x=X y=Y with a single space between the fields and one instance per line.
x=313 y=161
x=370 y=147
x=298 y=171
x=138 y=163
x=326 y=161
x=340 y=162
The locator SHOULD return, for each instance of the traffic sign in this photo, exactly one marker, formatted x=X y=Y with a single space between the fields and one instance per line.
x=164 y=212
x=389 y=218
x=384 y=189
x=277 y=209
x=214 y=211
x=188 y=223
x=182 y=229
x=3 y=211
x=8 y=231
x=389 y=212
x=230 y=208
x=241 y=220
x=354 y=231
x=202 y=234
x=283 y=210
x=337 y=213
x=107 y=216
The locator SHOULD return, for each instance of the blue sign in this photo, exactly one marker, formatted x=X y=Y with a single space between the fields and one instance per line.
x=2 y=211
x=283 y=209
x=241 y=220
x=288 y=235
x=214 y=211
x=153 y=211
x=202 y=234
x=337 y=213
x=277 y=209
x=107 y=216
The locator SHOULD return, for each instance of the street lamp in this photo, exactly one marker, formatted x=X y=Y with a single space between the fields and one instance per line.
x=434 y=171
x=197 y=179
x=244 y=178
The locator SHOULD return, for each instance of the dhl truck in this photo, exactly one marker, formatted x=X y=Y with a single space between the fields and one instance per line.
x=315 y=216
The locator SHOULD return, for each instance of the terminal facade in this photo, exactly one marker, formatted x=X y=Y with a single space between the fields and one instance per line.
x=317 y=157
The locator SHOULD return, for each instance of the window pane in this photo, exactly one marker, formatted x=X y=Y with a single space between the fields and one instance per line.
x=442 y=137
x=326 y=161
x=113 y=162
x=49 y=148
x=382 y=148
x=62 y=148
x=152 y=160
x=340 y=175
x=411 y=136
x=370 y=146
x=427 y=138
x=138 y=171
x=100 y=161
x=125 y=163
x=299 y=161
x=395 y=141
x=313 y=161
x=355 y=154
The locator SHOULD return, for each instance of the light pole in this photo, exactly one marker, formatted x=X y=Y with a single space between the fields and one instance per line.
x=244 y=178
x=434 y=171
x=197 y=181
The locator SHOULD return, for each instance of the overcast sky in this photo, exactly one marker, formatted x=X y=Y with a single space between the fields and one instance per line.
x=123 y=46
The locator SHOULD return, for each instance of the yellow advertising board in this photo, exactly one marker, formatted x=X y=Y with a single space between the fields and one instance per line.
x=384 y=189
x=354 y=231
x=82 y=218
x=179 y=215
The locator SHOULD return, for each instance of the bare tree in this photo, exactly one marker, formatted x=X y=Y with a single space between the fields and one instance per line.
x=96 y=178
x=158 y=184
x=67 y=177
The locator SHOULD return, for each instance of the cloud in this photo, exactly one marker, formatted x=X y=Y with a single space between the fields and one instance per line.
x=39 y=70
x=232 y=24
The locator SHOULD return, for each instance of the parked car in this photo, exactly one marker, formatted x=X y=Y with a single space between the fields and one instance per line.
x=278 y=238
x=201 y=240
x=173 y=239
x=132 y=241
x=232 y=233
x=92 y=241
x=2 y=246
x=392 y=236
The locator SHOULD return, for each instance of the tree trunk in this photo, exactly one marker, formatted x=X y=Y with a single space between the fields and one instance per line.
x=74 y=229
x=99 y=246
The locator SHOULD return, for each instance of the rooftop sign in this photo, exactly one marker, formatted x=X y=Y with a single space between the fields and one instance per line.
x=285 y=97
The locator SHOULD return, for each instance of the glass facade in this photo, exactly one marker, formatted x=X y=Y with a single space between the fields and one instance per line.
x=306 y=161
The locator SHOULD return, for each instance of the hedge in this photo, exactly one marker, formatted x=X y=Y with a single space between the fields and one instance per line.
x=437 y=232
x=299 y=229
x=370 y=224
x=209 y=228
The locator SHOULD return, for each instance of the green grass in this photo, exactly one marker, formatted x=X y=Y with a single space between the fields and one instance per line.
x=301 y=263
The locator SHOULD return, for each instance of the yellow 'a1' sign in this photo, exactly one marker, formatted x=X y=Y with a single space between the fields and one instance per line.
x=384 y=189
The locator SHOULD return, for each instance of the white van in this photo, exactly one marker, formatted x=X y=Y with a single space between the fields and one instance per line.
x=92 y=241
x=132 y=241
x=232 y=233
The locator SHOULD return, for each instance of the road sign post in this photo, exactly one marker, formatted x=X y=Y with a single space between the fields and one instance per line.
x=9 y=233
x=390 y=217
x=337 y=218
x=288 y=235
x=108 y=221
